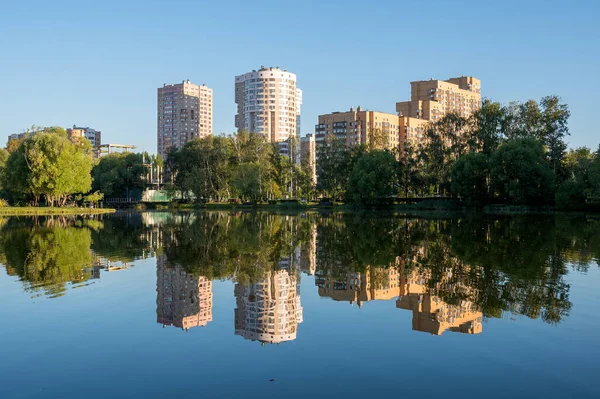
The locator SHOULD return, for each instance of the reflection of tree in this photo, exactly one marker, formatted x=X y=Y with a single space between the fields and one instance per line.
x=241 y=246
x=121 y=239
x=47 y=258
x=513 y=264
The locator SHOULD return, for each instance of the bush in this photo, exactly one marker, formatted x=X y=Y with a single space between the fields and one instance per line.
x=3 y=203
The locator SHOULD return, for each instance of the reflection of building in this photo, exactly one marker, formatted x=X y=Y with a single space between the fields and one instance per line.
x=269 y=311
x=182 y=299
x=377 y=283
x=308 y=253
x=430 y=313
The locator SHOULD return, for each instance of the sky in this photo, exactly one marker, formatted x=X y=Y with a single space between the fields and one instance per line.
x=99 y=63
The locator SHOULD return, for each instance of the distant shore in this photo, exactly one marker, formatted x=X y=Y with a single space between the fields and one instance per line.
x=49 y=211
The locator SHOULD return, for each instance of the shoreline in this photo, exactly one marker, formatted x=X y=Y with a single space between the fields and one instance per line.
x=51 y=211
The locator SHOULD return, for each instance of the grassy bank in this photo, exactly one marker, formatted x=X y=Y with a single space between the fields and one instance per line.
x=48 y=211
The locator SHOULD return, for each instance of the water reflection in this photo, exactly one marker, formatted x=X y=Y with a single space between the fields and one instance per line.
x=451 y=274
x=182 y=299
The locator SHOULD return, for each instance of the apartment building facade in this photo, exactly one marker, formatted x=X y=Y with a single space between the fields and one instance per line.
x=432 y=99
x=269 y=103
x=185 y=112
x=92 y=135
x=356 y=127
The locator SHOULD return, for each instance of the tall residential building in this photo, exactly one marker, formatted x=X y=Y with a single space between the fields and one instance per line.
x=268 y=102
x=182 y=300
x=92 y=135
x=185 y=112
x=359 y=126
x=432 y=99
x=269 y=311
x=308 y=154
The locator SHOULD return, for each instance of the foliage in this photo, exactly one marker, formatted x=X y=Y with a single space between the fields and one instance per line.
x=520 y=173
x=373 y=178
x=570 y=196
x=48 y=165
x=118 y=175
x=470 y=176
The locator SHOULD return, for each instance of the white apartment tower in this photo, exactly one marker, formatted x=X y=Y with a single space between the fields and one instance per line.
x=268 y=102
x=184 y=113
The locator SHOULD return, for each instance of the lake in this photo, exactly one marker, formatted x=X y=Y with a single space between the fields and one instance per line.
x=299 y=305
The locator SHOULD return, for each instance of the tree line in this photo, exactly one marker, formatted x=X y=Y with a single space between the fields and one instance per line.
x=514 y=154
x=242 y=165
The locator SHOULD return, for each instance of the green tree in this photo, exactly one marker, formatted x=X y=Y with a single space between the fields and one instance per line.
x=119 y=175
x=48 y=164
x=373 y=178
x=332 y=167
x=520 y=173
x=554 y=120
x=570 y=195
x=470 y=177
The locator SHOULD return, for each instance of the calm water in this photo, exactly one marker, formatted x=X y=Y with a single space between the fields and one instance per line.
x=302 y=305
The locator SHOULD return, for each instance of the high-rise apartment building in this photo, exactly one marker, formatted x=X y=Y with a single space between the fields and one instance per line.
x=268 y=102
x=432 y=99
x=185 y=112
x=92 y=135
x=359 y=126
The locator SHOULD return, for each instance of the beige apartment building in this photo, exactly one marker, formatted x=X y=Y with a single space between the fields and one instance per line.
x=185 y=112
x=432 y=99
x=182 y=300
x=359 y=126
x=268 y=102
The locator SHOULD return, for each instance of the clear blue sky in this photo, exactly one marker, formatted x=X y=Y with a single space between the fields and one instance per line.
x=99 y=63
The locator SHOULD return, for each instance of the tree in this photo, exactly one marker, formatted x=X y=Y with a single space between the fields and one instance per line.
x=445 y=142
x=373 y=178
x=570 y=196
x=486 y=132
x=554 y=120
x=247 y=181
x=470 y=176
x=332 y=167
x=410 y=177
x=119 y=175
x=49 y=164
x=520 y=173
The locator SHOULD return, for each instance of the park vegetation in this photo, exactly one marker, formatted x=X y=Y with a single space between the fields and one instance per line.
x=514 y=154
x=243 y=165
x=45 y=167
